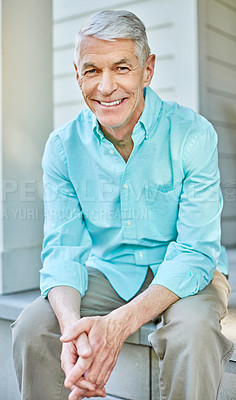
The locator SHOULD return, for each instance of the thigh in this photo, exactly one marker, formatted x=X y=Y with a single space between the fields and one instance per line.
x=100 y=297
x=192 y=324
x=210 y=302
x=190 y=346
x=36 y=320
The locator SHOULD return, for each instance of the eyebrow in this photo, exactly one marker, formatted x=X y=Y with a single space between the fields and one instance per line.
x=88 y=64
x=123 y=61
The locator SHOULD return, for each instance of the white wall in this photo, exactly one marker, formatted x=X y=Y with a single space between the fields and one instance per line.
x=217 y=44
x=172 y=31
x=26 y=111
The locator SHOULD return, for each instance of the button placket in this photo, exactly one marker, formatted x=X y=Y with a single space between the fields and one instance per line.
x=141 y=257
x=116 y=163
x=128 y=222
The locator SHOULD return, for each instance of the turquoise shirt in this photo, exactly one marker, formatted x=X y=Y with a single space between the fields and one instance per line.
x=160 y=209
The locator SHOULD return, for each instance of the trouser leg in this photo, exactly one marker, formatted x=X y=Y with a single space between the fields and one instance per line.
x=36 y=352
x=191 y=349
x=36 y=344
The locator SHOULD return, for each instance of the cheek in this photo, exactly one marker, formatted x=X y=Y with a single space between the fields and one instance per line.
x=137 y=93
x=87 y=87
x=133 y=84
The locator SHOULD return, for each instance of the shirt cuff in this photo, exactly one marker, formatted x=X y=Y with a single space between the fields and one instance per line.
x=75 y=275
x=184 y=282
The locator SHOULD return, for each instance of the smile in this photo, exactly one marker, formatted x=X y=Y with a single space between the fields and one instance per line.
x=111 y=103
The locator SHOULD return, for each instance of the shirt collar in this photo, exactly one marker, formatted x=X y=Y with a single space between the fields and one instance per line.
x=96 y=128
x=151 y=112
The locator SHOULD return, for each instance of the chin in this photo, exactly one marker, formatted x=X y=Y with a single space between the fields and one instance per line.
x=110 y=123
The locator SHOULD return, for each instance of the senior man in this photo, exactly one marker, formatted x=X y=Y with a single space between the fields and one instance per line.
x=132 y=232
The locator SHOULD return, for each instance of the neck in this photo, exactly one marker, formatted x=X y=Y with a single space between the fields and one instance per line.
x=123 y=145
x=125 y=149
x=121 y=136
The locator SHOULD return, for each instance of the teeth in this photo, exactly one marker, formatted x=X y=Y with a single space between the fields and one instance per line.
x=112 y=103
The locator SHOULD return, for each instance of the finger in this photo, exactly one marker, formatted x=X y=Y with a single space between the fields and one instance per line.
x=99 y=368
x=77 y=371
x=76 y=394
x=95 y=368
x=112 y=366
x=106 y=369
x=83 y=325
x=83 y=346
x=85 y=384
x=107 y=377
x=96 y=393
x=67 y=367
x=68 y=358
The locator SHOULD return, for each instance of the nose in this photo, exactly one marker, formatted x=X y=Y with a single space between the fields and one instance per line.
x=107 y=83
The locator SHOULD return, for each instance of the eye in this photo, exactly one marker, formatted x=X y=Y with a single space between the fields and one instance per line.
x=123 y=69
x=90 y=71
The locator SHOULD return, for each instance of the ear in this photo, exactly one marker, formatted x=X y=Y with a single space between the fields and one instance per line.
x=149 y=70
x=77 y=74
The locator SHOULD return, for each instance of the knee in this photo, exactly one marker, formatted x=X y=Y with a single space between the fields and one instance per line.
x=198 y=331
x=194 y=319
x=33 y=322
x=196 y=326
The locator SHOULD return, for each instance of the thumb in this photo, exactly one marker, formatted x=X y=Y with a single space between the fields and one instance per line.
x=83 y=325
x=83 y=346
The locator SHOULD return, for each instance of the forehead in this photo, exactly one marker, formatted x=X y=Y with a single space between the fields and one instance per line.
x=94 y=50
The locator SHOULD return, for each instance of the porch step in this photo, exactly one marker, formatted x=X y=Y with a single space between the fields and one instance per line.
x=135 y=376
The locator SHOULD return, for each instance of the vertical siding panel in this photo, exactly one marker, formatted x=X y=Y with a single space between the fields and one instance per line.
x=217 y=50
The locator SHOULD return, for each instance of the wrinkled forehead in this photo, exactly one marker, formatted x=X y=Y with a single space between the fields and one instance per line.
x=92 y=48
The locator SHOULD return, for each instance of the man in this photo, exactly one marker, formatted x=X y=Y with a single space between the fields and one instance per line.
x=132 y=232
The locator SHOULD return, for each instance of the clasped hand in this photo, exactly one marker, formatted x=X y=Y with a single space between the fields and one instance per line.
x=89 y=354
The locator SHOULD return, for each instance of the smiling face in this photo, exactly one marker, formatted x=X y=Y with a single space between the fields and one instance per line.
x=112 y=81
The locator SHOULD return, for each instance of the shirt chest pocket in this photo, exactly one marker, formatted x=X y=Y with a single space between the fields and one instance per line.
x=162 y=209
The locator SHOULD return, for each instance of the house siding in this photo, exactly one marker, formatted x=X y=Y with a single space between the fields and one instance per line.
x=217 y=93
x=194 y=42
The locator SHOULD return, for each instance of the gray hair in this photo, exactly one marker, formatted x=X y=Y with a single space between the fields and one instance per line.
x=111 y=25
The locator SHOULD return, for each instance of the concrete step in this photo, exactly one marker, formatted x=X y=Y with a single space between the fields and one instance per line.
x=135 y=376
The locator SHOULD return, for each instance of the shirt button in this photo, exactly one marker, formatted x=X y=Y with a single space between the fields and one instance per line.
x=128 y=223
x=126 y=186
x=111 y=151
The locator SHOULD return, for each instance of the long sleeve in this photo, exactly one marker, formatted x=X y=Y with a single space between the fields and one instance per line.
x=190 y=261
x=67 y=242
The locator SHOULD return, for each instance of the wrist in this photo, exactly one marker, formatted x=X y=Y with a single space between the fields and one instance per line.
x=67 y=322
x=126 y=318
x=65 y=302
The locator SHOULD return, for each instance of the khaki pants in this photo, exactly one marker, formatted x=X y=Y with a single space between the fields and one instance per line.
x=191 y=349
